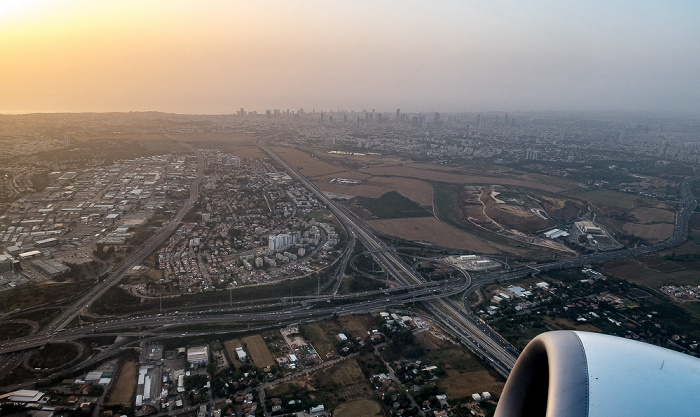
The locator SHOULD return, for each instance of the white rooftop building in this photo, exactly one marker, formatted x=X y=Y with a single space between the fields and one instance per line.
x=242 y=356
x=198 y=355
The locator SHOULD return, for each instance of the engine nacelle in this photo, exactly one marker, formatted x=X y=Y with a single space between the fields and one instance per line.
x=581 y=374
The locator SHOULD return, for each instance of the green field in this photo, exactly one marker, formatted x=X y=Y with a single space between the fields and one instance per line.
x=392 y=205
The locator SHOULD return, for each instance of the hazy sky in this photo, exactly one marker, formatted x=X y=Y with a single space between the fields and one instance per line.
x=207 y=56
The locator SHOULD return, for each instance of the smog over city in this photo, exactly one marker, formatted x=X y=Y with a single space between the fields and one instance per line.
x=388 y=208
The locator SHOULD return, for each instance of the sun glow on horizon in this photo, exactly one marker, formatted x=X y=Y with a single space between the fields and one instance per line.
x=13 y=10
x=185 y=56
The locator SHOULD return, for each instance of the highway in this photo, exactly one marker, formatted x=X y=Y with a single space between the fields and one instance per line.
x=455 y=318
x=135 y=258
x=464 y=326
x=460 y=320
x=687 y=205
x=280 y=311
x=116 y=274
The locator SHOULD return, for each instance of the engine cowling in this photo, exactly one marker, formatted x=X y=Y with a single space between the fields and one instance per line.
x=581 y=374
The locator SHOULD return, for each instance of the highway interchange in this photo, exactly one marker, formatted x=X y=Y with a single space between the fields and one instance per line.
x=456 y=318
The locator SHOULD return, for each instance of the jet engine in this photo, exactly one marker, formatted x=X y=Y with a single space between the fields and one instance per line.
x=581 y=374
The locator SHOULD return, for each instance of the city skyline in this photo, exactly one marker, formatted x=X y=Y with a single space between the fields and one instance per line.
x=216 y=57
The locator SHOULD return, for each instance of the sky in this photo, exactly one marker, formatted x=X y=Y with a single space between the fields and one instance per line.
x=216 y=56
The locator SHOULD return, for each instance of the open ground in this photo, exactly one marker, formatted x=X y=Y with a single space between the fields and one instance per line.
x=230 y=346
x=259 y=353
x=432 y=230
x=123 y=389
x=465 y=373
x=240 y=144
x=359 y=407
x=435 y=173
x=651 y=232
x=341 y=382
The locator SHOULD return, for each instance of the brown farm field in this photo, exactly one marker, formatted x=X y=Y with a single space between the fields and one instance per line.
x=123 y=389
x=650 y=232
x=339 y=383
x=456 y=177
x=610 y=198
x=252 y=152
x=161 y=143
x=259 y=353
x=230 y=346
x=374 y=187
x=307 y=164
x=359 y=407
x=460 y=385
x=432 y=230
x=653 y=215
x=561 y=323
x=357 y=325
x=233 y=138
x=240 y=144
x=649 y=275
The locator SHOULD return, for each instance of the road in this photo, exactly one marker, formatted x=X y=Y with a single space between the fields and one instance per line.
x=463 y=326
x=457 y=320
x=461 y=321
x=117 y=273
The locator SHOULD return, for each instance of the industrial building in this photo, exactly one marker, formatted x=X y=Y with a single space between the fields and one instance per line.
x=198 y=355
x=49 y=267
x=6 y=262
x=45 y=243
x=28 y=255
x=23 y=397
x=589 y=228
x=555 y=233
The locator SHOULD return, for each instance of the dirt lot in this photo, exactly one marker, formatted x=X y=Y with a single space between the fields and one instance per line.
x=432 y=230
x=259 y=353
x=230 y=346
x=361 y=407
x=356 y=326
x=459 y=385
x=511 y=216
x=430 y=342
x=123 y=388
x=650 y=232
